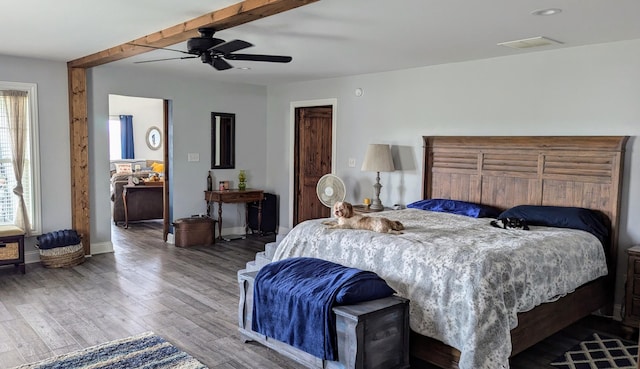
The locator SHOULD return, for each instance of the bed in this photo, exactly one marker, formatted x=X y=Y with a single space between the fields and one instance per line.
x=503 y=172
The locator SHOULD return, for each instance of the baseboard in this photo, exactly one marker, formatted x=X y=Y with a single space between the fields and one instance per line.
x=283 y=230
x=31 y=257
x=101 y=248
x=231 y=231
x=617 y=312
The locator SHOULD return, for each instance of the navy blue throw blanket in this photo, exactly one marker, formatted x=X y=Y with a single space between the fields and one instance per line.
x=65 y=237
x=293 y=298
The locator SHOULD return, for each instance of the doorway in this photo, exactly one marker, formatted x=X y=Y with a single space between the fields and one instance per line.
x=313 y=155
x=145 y=158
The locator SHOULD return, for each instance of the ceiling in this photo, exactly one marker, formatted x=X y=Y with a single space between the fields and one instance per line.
x=328 y=38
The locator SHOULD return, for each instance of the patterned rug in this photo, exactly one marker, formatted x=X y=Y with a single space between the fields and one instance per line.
x=600 y=352
x=143 y=351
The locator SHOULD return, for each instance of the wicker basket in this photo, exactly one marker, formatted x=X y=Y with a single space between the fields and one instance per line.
x=62 y=257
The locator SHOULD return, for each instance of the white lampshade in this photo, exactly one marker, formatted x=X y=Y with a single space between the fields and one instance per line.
x=378 y=159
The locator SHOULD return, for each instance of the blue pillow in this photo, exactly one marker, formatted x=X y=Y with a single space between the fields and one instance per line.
x=469 y=209
x=587 y=220
x=363 y=290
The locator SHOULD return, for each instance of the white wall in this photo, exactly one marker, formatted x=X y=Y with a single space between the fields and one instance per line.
x=53 y=115
x=586 y=90
x=591 y=90
x=146 y=113
x=193 y=100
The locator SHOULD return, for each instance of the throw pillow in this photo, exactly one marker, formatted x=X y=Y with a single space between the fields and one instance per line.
x=157 y=167
x=123 y=168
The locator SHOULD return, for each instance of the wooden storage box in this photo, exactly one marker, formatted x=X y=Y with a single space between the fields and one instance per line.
x=370 y=335
x=194 y=231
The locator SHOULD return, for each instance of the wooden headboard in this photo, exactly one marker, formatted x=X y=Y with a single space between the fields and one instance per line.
x=582 y=171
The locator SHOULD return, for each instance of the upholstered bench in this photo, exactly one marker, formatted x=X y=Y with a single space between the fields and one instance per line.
x=12 y=246
x=372 y=334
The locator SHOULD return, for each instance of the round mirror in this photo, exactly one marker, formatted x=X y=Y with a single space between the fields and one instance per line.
x=154 y=138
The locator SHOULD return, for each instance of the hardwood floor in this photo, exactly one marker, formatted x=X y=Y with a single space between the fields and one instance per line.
x=189 y=296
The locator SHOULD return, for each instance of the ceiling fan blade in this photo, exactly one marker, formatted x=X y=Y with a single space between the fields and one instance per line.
x=220 y=64
x=161 y=48
x=261 y=58
x=231 y=46
x=155 y=60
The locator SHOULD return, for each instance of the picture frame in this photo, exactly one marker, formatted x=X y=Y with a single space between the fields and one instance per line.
x=154 y=138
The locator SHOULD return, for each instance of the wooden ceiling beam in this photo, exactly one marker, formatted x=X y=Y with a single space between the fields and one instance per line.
x=234 y=15
x=231 y=16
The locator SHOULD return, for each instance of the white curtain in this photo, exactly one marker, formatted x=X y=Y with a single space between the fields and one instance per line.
x=15 y=104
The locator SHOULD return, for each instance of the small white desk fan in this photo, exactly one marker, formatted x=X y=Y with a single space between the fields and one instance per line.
x=330 y=189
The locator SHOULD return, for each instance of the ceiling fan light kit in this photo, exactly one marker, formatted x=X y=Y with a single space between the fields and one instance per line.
x=214 y=51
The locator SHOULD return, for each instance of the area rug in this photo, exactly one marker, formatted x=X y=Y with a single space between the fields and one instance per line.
x=599 y=352
x=143 y=351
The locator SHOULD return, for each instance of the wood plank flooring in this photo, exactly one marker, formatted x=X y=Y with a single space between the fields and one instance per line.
x=189 y=296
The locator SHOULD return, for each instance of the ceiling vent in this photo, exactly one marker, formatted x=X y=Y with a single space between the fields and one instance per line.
x=527 y=43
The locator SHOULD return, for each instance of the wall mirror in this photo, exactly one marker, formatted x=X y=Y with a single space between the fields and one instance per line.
x=223 y=150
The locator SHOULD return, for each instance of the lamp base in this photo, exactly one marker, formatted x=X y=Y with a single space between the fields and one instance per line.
x=376 y=206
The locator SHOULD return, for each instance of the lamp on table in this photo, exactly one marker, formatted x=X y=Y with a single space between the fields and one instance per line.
x=377 y=159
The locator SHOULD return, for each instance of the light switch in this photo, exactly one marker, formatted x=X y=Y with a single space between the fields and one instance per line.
x=193 y=156
x=352 y=163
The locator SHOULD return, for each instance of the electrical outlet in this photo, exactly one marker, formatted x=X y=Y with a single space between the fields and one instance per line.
x=193 y=156
x=352 y=163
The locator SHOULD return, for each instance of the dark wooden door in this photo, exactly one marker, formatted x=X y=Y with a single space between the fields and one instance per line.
x=312 y=160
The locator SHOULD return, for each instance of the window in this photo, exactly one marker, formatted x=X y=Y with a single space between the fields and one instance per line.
x=115 y=147
x=26 y=103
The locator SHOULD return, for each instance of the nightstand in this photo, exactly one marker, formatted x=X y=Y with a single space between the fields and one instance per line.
x=363 y=209
x=632 y=295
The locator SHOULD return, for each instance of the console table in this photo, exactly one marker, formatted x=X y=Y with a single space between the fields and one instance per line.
x=234 y=196
x=142 y=202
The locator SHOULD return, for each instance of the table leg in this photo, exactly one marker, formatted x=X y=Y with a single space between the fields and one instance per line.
x=126 y=212
x=246 y=218
x=220 y=220
x=260 y=218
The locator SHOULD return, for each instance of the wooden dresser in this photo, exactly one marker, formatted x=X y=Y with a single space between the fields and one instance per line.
x=631 y=316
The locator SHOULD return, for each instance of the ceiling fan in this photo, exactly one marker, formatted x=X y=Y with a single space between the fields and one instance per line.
x=214 y=51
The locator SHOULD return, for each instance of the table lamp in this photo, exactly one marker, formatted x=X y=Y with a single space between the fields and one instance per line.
x=377 y=159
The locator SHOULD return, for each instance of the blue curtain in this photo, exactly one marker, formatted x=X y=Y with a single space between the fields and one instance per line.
x=126 y=136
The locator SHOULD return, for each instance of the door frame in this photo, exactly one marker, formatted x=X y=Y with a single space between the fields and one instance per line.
x=167 y=153
x=333 y=102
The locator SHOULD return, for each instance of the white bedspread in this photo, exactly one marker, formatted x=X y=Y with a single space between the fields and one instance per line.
x=466 y=279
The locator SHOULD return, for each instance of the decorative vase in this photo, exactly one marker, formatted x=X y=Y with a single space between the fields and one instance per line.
x=242 y=180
